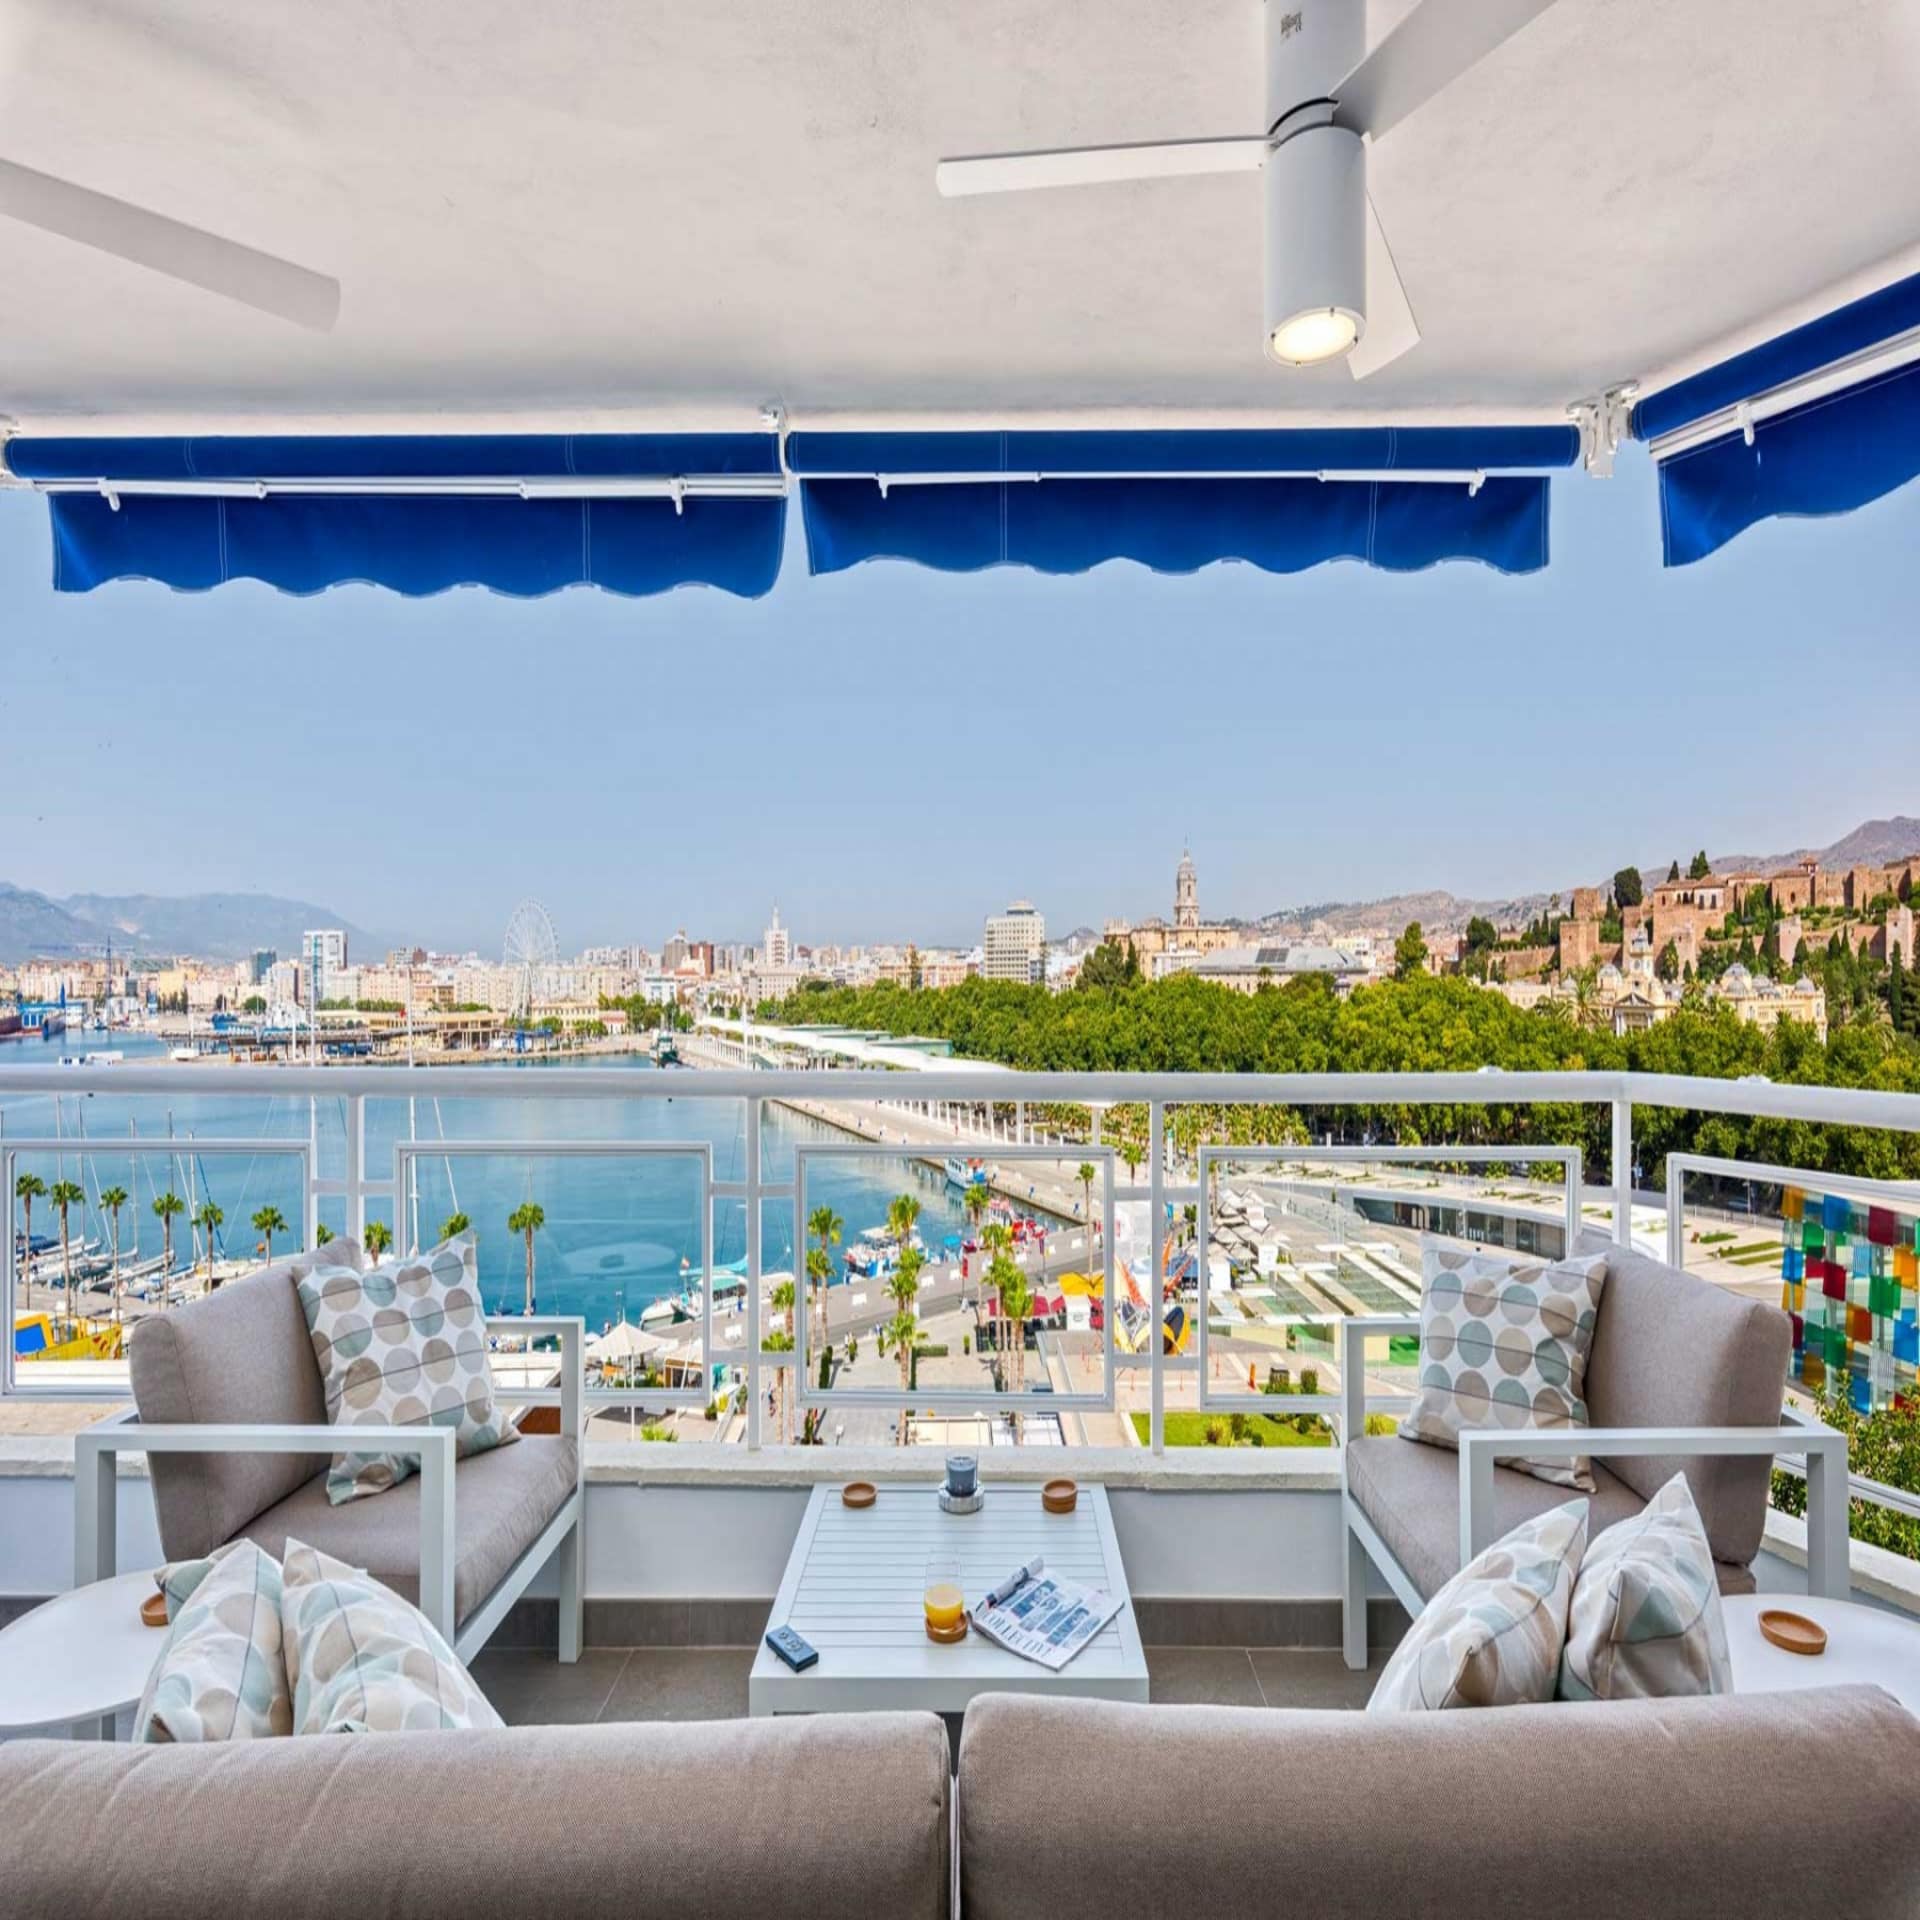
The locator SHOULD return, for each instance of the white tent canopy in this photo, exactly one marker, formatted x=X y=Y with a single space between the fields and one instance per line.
x=648 y=214
x=624 y=1343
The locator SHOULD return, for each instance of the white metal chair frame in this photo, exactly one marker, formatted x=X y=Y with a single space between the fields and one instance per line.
x=1824 y=1448
x=96 y=1491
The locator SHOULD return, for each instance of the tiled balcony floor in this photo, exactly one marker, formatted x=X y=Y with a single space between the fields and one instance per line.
x=710 y=1683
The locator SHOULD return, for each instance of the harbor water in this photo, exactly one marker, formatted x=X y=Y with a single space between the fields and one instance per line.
x=619 y=1231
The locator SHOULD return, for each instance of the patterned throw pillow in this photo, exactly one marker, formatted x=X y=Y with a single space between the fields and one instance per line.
x=1646 y=1620
x=1492 y=1636
x=1504 y=1344
x=220 y=1674
x=362 y=1660
x=403 y=1344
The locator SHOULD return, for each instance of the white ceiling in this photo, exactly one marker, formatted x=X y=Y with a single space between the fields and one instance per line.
x=677 y=209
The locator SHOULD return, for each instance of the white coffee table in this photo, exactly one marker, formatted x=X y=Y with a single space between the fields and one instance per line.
x=853 y=1588
x=1864 y=1645
x=78 y=1660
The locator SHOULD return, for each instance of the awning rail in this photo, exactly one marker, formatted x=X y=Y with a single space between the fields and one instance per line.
x=1837 y=376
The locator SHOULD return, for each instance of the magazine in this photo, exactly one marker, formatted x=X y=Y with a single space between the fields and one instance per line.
x=1041 y=1618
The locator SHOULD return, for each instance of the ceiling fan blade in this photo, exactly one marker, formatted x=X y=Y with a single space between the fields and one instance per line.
x=1092 y=166
x=1391 y=327
x=171 y=247
x=1431 y=48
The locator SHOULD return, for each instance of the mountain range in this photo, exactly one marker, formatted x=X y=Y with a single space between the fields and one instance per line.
x=216 y=926
x=1873 y=843
x=229 y=926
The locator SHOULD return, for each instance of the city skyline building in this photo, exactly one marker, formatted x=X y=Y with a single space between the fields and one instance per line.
x=1015 y=945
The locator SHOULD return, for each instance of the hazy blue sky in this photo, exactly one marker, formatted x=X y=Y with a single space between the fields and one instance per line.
x=892 y=753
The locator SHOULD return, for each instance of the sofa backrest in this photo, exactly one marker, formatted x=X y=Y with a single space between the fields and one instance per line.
x=240 y=1355
x=1654 y=1809
x=1673 y=1351
x=786 y=1819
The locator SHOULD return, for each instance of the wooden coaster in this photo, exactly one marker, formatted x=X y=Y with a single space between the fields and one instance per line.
x=153 y=1610
x=948 y=1636
x=1793 y=1632
x=1060 y=1496
x=858 y=1493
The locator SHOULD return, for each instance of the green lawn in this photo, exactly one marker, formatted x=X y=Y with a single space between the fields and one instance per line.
x=1190 y=1430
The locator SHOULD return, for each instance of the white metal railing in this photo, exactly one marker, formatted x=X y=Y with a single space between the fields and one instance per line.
x=909 y=1098
x=60 y=1150
x=1566 y=1158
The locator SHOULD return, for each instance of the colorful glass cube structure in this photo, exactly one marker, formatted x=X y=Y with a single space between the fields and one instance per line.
x=1850 y=1282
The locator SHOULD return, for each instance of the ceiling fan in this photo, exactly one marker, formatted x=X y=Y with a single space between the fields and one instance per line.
x=1331 y=286
x=203 y=259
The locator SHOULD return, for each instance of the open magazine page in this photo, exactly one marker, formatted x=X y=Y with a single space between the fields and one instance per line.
x=1045 y=1619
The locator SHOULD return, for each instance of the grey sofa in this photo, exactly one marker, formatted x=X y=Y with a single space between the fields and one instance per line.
x=789 y=1819
x=221 y=1387
x=1682 y=1377
x=1629 y=1810
x=1065 y=1810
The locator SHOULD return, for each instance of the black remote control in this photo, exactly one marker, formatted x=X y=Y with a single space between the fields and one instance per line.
x=792 y=1649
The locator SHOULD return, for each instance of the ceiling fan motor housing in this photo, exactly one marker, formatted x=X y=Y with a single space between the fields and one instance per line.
x=1315 y=178
x=1316 y=231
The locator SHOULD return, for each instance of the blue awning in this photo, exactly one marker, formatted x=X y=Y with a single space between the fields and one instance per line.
x=1820 y=420
x=519 y=513
x=1176 y=500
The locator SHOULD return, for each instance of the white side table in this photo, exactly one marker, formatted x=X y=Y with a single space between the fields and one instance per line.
x=1864 y=1644
x=78 y=1660
x=853 y=1588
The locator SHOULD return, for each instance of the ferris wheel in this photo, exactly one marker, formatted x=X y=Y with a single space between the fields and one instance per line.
x=530 y=946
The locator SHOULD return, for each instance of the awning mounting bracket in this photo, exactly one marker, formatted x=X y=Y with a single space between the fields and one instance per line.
x=1603 y=423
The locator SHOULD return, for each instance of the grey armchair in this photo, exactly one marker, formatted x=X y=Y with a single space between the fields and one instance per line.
x=231 y=1414
x=1682 y=1377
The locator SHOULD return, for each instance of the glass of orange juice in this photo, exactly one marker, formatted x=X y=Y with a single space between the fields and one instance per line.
x=945 y=1599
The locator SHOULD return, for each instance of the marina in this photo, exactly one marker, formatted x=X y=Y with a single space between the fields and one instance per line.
x=621 y=1237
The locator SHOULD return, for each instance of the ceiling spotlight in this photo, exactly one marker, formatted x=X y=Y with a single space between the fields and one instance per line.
x=1316 y=195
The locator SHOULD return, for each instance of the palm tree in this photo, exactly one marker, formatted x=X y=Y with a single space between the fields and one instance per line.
x=452 y=1224
x=378 y=1237
x=111 y=1201
x=322 y=1233
x=997 y=1237
x=267 y=1222
x=208 y=1219
x=977 y=1200
x=1016 y=1302
x=903 y=1214
x=27 y=1188
x=1085 y=1173
x=781 y=1341
x=826 y=1226
x=65 y=1194
x=903 y=1288
x=528 y=1218
x=167 y=1207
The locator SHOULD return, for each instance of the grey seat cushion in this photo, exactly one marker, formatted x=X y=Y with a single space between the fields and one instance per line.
x=1411 y=1493
x=1619 y=1810
x=1673 y=1351
x=238 y=1356
x=838 y=1814
x=501 y=1502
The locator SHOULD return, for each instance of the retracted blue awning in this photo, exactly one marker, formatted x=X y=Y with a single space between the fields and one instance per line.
x=1176 y=500
x=1820 y=420
x=519 y=513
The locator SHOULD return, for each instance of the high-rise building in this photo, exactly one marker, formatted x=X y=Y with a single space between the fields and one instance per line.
x=261 y=964
x=776 y=946
x=325 y=949
x=674 y=951
x=1015 y=947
